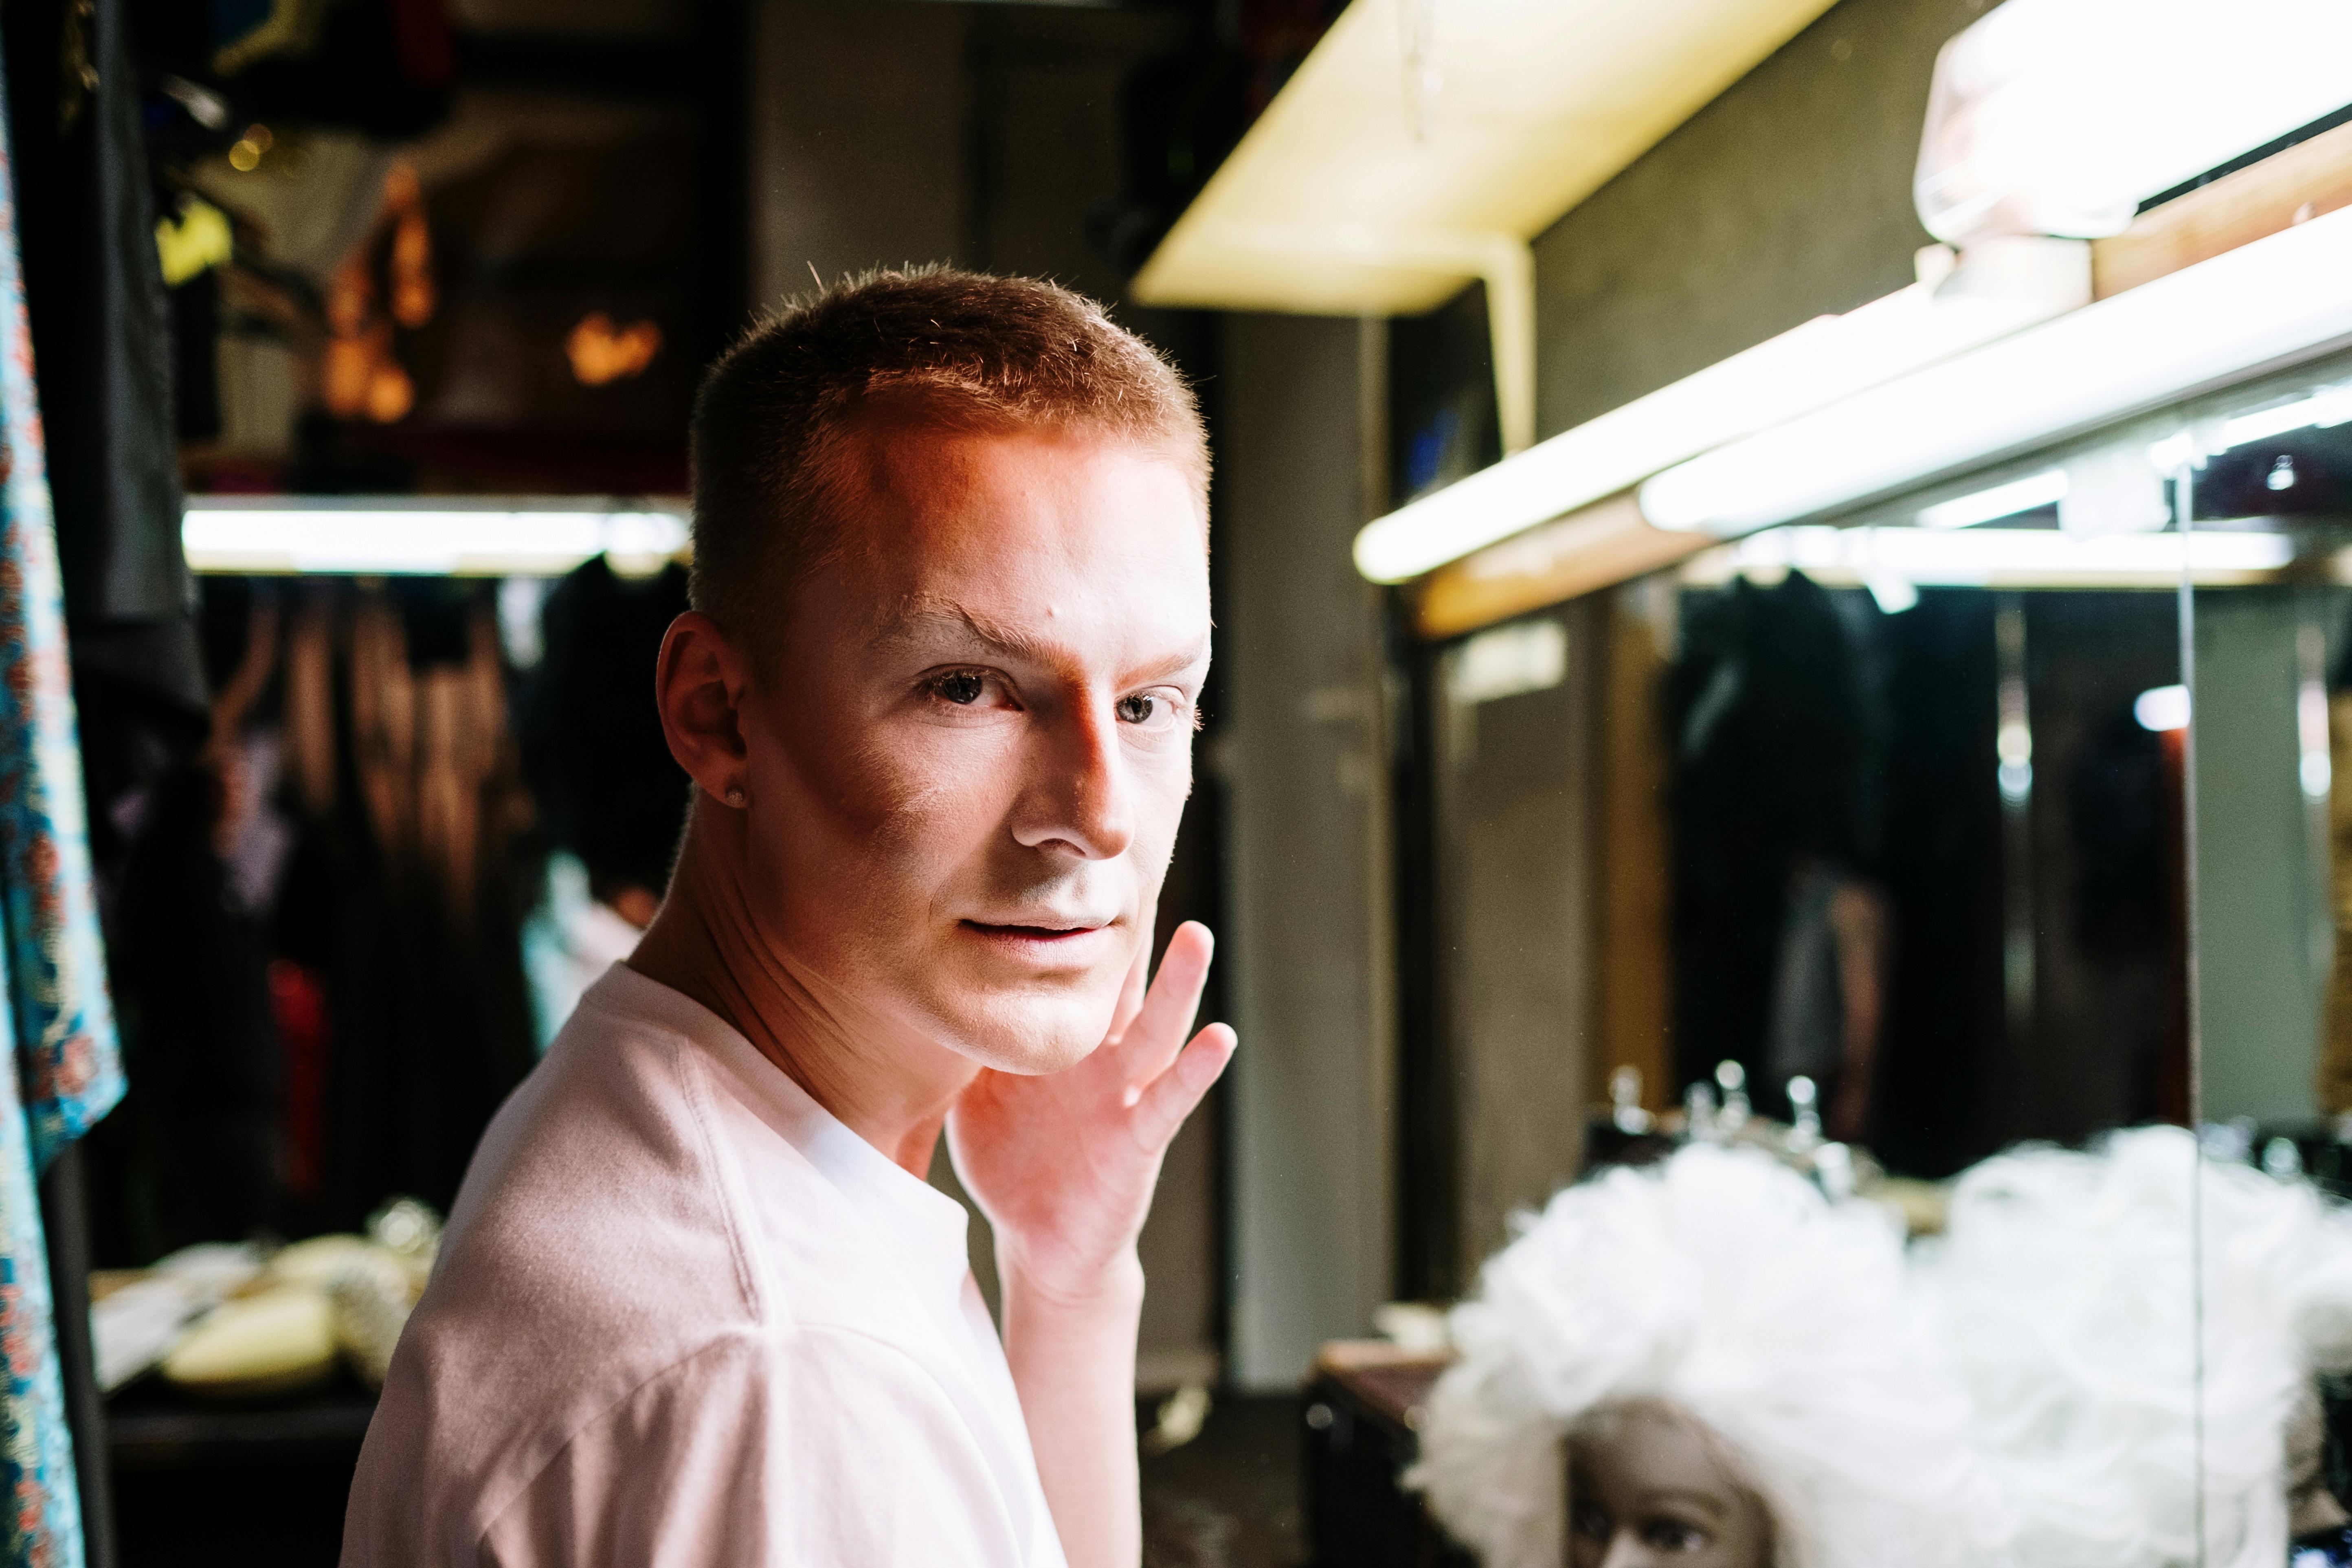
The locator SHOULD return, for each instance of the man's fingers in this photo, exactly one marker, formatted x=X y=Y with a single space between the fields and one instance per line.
x=1171 y=1096
x=1158 y=1030
x=1130 y=993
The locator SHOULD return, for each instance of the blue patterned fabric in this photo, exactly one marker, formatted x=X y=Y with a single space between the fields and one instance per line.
x=58 y=1027
x=66 y=1050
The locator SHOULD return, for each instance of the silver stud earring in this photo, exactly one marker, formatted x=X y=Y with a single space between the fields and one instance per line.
x=736 y=797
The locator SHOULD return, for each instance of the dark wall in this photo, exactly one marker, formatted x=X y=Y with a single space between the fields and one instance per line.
x=1786 y=198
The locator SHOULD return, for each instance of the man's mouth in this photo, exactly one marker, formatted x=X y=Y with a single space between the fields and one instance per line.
x=1029 y=933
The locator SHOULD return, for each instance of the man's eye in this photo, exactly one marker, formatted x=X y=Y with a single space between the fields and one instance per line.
x=1147 y=709
x=961 y=687
x=1673 y=1535
x=1593 y=1524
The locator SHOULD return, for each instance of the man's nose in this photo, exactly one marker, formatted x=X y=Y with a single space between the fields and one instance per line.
x=1626 y=1551
x=1077 y=794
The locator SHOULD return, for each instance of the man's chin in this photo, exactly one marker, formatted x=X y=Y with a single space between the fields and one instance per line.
x=1031 y=1036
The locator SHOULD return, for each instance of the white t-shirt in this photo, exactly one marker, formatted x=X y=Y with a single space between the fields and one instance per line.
x=682 y=1317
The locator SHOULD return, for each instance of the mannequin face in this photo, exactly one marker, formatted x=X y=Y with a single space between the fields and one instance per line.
x=1648 y=1484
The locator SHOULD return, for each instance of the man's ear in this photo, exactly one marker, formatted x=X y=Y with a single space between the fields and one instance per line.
x=699 y=687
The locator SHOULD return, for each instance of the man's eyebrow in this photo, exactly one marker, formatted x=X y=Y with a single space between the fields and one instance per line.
x=925 y=618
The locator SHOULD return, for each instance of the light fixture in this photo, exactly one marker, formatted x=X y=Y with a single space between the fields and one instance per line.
x=2162 y=708
x=2316 y=770
x=1998 y=557
x=1508 y=661
x=2272 y=302
x=1826 y=359
x=1337 y=201
x=1892 y=594
x=2062 y=116
x=2027 y=494
x=2321 y=410
x=2013 y=745
x=491 y=537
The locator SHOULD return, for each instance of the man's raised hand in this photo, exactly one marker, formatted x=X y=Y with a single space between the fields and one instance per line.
x=1063 y=1164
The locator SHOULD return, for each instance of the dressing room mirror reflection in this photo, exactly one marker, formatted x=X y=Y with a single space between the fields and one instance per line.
x=2004 y=891
x=1924 y=864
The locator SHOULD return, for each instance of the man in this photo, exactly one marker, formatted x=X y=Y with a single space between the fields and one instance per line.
x=936 y=696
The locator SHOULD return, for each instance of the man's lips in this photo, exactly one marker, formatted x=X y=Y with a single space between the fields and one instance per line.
x=1028 y=933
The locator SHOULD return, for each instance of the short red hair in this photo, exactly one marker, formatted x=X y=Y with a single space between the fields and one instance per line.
x=962 y=350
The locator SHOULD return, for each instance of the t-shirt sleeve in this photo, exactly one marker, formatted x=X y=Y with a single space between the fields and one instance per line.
x=816 y=1449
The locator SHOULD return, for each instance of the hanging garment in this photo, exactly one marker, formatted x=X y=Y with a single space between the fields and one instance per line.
x=63 y=1046
x=2336 y=1042
x=101 y=329
x=64 y=1023
x=1770 y=765
x=592 y=738
x=404 y=892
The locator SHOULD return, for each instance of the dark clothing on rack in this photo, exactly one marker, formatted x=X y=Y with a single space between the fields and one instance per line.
x=102 y=341
x=193 y=977
x=593 y=744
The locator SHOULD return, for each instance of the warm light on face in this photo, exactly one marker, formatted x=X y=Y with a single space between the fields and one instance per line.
x=964 y=799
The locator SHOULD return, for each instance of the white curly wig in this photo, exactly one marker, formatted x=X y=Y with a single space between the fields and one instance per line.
x=1724 y=1285
x=2062 y=1291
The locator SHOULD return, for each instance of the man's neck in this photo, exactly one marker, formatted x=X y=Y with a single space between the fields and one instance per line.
x=705 y=944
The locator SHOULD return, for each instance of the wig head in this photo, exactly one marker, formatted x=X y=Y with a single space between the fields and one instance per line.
x=2063 y=1292
x=1724 y=1286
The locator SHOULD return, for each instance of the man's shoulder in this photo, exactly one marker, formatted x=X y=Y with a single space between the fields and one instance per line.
x=755 y=1438
x=592 y=1250
x=600 y=1203
x=626 y=1208
x=633 y=1229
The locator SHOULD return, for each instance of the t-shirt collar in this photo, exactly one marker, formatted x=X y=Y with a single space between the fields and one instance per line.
x=925 y=1231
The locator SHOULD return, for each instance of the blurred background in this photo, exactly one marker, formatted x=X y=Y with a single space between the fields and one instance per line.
x=1562 y=797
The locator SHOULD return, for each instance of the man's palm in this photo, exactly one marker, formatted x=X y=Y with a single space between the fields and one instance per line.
x=1063 y=1164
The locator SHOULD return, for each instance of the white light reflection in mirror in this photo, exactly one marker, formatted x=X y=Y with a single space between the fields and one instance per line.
x=498 y=536
x=2162 y=708
x=2027 y=494
x=1979 y=557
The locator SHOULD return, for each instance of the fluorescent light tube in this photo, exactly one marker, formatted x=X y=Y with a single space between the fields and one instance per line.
x=2321 y=411
x=2274 y=302
x=2062 y=116
x=397 y=536
x=1509 y=660
x=2033 y=491
x=1828 y=358
x=2006 y=557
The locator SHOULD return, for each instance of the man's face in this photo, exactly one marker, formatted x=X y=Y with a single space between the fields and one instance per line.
x=968 y=762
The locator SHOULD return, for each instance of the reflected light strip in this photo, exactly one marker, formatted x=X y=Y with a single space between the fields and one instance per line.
x=2161 y=708
x=2265 y=304
x=2321 y=411
x=1828 y=358
x=240 y=534
x=2001 y=501
x=2015 y=557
